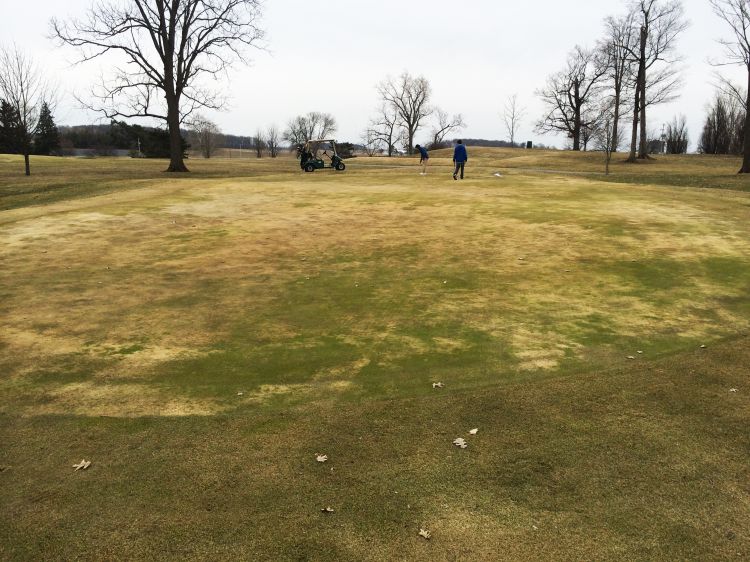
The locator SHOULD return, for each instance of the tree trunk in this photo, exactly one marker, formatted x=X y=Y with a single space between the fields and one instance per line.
x=615 y=125
x=26 y=162
x=577 y=118
x=176 y=162
x=746 y=144
x=643 y=150
x=636 y=113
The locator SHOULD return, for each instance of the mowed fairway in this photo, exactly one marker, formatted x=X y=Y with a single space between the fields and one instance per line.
x=201 y=338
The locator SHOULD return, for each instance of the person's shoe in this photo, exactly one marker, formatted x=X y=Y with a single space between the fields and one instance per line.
x=454 y=177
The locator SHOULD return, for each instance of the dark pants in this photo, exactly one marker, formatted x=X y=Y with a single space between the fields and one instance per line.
x=459 y=166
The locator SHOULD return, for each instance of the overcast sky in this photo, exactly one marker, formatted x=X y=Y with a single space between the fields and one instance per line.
x=329 y=55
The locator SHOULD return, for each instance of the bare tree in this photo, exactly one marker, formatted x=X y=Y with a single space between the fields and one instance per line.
x=23 y=87
x=605 y=138
x=513 y=113
x=206 y=134
x=444 y=125
x=660 y=23
x=410 y=97
x=569 y=93
x=272 y=141
x=618 y=43
x=384 y=128
x=736 y=14
x=313 y=126
x=259 y=143
x=167 y=46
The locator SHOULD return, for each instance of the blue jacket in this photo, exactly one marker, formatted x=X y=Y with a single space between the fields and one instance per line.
x=423 y=153
x=459 y=154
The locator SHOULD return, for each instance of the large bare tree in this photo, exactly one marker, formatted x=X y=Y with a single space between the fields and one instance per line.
x=569 y=93
x=618 y=44
x=736 y=14
x=660 y=23
x=166 y=48
x=24 y=88
x=445 y=124
x=513 y=113
x=409 y=96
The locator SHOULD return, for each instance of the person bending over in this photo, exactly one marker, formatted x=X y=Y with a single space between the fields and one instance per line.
x=423 y=158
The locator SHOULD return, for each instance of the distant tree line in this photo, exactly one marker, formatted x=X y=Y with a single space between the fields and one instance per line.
x=147 y=142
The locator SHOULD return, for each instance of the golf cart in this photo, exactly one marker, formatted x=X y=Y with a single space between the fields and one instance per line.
x=309 y=160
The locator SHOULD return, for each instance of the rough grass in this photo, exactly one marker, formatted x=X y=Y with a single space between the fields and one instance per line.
x=200 y=338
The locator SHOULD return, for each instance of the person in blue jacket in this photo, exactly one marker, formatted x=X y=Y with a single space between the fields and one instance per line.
x=460 y=158
x=423 y=158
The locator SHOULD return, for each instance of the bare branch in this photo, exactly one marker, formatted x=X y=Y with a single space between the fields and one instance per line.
x=445 y=124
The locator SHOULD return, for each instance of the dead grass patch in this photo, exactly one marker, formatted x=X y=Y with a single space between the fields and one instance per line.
x=119 y=400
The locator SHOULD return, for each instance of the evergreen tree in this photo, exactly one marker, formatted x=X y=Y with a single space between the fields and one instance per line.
x=46 y=137
x=11 y=138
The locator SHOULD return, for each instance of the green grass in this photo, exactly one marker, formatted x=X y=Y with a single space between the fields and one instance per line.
x=200 y=338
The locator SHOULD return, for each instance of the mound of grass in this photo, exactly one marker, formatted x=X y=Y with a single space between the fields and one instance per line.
x=201 y=338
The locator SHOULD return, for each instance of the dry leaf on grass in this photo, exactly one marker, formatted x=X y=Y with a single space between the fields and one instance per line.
x=425 y=534
x=733 y=390
x=474 y=431
x=327 y=509
x=83 y=465
x=437 y=385
x=321 y=458
x=631 y=357
x=460 y=442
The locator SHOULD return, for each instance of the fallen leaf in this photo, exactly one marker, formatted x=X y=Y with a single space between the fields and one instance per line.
x=321 y=458
x=733 y=390
x=327 y=509
x=425 y=534
x=474 y=431
x=640 y=353
x=83 y=465
x=240 y=393
x=703 y=347
x=437 y=385
x=460 y=442
x=631 y=357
